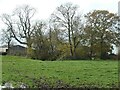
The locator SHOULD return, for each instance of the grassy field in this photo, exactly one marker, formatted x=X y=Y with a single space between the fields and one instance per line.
x=79 y=73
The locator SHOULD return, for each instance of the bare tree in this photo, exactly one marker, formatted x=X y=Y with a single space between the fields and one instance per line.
x=66 y=16
x=21 y=27
x=6 y=33
x=6 y=37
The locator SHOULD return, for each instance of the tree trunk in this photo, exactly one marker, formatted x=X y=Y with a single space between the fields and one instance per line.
x=74 y=52
x=29 y=49
x=91 y=50
x=70 y=43
x=101 y=50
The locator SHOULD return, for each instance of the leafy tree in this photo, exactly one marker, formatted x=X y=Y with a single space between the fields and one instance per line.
x=40 y=42
x=101 y=23
x=90 y=38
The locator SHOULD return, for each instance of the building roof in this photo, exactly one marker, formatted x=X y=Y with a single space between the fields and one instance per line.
x=4 y=46
x=17 y=46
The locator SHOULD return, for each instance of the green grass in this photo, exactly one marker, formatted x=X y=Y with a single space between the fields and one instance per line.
x=75 y=73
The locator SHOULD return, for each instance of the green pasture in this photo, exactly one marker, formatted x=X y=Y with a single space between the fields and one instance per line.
x=66 y=73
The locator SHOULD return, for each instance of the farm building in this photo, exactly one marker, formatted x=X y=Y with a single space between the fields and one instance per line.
x=13 y=50
x=17 y=50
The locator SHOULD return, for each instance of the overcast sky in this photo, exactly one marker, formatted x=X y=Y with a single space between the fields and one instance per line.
x=46 y=7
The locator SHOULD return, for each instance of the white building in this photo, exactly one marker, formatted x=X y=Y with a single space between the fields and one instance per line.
x=119 y=8
x=119 y=20
x=3 y=49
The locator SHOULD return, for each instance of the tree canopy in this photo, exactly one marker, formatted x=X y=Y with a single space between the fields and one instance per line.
x=67 y=34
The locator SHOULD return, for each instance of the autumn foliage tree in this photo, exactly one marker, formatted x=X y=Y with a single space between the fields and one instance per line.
x=100 y=31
